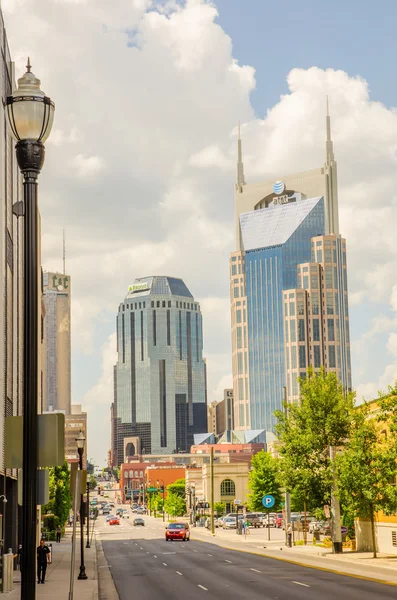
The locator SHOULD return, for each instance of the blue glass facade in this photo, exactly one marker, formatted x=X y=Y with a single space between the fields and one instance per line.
x=160 y=373
x=276 y=240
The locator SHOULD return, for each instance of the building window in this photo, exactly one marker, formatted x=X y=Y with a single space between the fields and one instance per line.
x=234 y=269
x=169 y=303
x=158 y=303
x=293 y=330
x=238 y=316
x=184 y=305
x=331 y=330
x=292 y=309
x=302 y=357
x=239 y=337
x=177 y=304
x=168 y=328
x=317 y=358
x=316 y=330
x=163 y=304
x=305 y=282
x=301 y=330
x=331 y=357
x=144 y=305
x=154 y=329
x=228 y=488
x=293 y=357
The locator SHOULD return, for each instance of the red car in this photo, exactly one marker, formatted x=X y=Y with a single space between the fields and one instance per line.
x=177 y=531
x=114 y=521
x=278 y=520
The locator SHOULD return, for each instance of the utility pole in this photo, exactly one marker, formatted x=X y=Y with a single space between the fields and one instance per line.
x=337 y=547
x=287 y=494
x=212 y=489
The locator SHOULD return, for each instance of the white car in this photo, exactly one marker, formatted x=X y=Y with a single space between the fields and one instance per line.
x=229 y=523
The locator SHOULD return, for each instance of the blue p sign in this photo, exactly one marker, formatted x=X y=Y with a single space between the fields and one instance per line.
x=268 y=501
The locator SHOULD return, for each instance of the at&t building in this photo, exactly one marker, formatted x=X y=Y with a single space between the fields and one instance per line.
x=288 y=285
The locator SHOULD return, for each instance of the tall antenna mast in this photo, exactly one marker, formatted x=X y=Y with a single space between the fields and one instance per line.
x=64 y=253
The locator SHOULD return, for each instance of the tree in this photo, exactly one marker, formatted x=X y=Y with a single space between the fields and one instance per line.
x=220 y=508
x=367 y=467
x=264 y=479
x=178 y=488
x=59 y=492
x=307 y=430
x=174 y=505
x=92 y=482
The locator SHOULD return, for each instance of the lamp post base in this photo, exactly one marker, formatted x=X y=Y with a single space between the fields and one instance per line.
x=82 y=574
x=88 y=545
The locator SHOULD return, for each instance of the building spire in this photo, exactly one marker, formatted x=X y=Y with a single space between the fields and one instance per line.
x=240 y=165
x=329 y=148
x=331 y=180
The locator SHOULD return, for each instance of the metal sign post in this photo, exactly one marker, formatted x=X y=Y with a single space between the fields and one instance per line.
x=268 y=502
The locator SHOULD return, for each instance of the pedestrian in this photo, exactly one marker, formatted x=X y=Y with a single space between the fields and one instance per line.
x=289 y=535
x=70 y=521
x=43 y=558
x=247 y=527
x=58 y=532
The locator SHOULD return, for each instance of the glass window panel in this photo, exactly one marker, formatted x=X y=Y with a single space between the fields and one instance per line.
x=301 y=330
x=292 y=325
x=316 y=330
x=302 y=357
x=292 y=309
x=317 y=357
x=331 y=330
x=331 y=357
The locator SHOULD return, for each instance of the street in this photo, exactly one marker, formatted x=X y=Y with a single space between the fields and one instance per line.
x=146 y=567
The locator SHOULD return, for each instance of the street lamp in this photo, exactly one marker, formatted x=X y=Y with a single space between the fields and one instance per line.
x=162 y=482
x=80 y=441
x=30 y=114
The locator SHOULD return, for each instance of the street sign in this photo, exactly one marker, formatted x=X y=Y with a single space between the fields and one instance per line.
x=152 y=489
x=237 y=502
x=326 y=511
x=268 y=501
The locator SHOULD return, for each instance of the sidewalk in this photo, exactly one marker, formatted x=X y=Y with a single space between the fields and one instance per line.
x=356 y=564
x=58 y=574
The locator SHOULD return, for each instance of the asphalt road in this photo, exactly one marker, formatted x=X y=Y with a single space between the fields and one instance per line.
x=146 y=567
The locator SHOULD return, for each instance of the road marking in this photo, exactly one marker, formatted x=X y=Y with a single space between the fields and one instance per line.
x=202 y=587
x=256 y=570
x=229 y=561
x=154 y=556
x=209 y=554
x=194 y=550
x=179 y=573
x=147 y=552
x=299 y=583
x=165 y=564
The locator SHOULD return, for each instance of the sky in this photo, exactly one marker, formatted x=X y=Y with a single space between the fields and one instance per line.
x=140 y=165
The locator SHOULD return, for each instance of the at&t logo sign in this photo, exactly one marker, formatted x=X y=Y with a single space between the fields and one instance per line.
x=278 y=187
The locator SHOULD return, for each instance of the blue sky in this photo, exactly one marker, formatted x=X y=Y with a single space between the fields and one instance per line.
x=357 y=36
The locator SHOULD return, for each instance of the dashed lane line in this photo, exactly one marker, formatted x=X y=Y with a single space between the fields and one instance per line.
x=179 y=573
x=299 y=583
x=209 y=554
x=256 y=570
x=154 y=556
x=202 y=587
x=228 y=561
x=165 y=564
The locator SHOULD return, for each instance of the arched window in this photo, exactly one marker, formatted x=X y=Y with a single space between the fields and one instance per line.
x=228 y=488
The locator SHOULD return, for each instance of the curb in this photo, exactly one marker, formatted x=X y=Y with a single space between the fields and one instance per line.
x=302 y=564
x=106 y=588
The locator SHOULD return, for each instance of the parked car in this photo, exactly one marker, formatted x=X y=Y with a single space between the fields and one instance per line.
x=106 y=510
x=268 y=521
x=138 y=521
x=177 y=531
x=229 y=523
x=208 y=523
x=254 y=520
x=325 y=528
x=315 y=525
x=110 y=517
x=114 y=521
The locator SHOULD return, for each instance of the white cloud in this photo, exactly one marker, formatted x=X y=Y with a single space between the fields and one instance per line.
x=141 y=164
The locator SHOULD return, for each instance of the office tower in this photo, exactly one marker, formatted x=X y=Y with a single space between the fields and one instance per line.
x=220 y=414
x=160 y=387
x=57 y=297
x=276 y=225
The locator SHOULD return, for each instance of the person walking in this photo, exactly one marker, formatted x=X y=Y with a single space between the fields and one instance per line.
x=43 y=558
x=58 y=532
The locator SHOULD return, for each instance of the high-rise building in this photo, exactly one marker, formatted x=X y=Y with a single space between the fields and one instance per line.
x=57 y=297
x=159 y=379
x=11 y=299
x=221 y=414
x=279 y=226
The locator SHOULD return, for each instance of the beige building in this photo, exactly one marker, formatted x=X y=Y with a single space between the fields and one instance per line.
x=221 y=414
x=269 y=196
x=57 y=297
x=74 y=423
x=316 y=315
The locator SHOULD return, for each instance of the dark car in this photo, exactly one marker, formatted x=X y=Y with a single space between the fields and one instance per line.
x=177 y=531
x=254 y=520
x=138 y=521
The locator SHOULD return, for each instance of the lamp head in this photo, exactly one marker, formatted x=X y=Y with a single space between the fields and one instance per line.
x=30 y=113
x=80 y=441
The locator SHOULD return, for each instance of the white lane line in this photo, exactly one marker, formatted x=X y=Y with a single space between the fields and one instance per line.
x=299 y=583
x=154 y=556
x=194 y=550
x=179 y=573
x=165 y=564
x=209 y=554
x=229 y=561
x=256 y=570
x=147 y=552
x=202 y=587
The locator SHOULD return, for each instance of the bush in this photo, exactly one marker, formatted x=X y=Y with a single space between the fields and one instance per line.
x=300 y=543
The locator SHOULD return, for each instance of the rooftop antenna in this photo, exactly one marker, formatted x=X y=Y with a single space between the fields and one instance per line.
x=64 y=253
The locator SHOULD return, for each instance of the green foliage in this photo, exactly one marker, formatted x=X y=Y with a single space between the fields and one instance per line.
x=174 y=504
x=155 y=501
x=307 y=430
x=220 y=508
x=92 y=482
x=60 y=501
x=367 y=468
x=178 y=488
x=264 y=479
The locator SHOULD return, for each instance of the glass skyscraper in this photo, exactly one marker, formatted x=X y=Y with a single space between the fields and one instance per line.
x=160 y=379
x=288 y=288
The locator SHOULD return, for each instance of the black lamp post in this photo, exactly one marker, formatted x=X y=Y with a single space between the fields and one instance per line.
x=162 y=483
x=80 y=441
x=30 y=114
x=88 y=516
